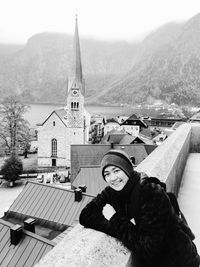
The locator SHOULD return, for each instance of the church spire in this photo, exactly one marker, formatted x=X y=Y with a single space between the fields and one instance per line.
x=76 y=65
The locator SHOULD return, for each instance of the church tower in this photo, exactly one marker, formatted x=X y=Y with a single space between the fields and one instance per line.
x=68 y=125
x=75 y=95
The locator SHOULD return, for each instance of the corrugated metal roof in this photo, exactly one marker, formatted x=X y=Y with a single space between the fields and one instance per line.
x=91 y=155
x=30 y=249
x=49 y=203
x=92 y=178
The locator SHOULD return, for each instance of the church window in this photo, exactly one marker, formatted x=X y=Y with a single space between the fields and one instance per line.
x=54 y=147
x=72 y=105
x=77 y=105
x=54 y=123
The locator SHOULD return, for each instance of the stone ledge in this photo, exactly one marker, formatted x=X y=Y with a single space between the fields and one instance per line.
x=87 y=248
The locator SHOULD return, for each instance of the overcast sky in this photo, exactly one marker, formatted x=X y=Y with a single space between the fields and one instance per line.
x=100 y=19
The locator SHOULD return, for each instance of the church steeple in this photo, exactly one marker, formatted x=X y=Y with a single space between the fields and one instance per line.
x=76 y=65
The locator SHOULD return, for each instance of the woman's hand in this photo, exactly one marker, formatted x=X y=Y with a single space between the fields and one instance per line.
x=108 y=211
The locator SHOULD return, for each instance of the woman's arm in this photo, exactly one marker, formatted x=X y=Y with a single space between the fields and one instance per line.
x=92 y=217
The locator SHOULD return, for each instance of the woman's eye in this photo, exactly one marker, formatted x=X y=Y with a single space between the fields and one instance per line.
x=116 y=171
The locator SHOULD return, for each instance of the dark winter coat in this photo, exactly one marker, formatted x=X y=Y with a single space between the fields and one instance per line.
x=157 y=239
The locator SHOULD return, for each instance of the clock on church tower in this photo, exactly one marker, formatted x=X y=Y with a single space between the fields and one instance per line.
x=75 y=92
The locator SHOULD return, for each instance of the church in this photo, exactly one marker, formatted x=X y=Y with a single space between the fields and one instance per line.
x=68 y=125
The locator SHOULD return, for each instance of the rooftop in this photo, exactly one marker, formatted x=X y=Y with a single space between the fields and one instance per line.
x=30 y=249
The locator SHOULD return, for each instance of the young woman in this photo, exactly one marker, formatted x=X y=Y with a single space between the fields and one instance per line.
x=140 y=215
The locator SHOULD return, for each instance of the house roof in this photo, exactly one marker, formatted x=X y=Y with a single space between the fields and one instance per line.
x=146 y=132
x=112 y=120
x=91 y=155
x=113 y=136
x=46 y=202
x=129 y=139
x=134 y=118
x=92 y=178
x=30 y=249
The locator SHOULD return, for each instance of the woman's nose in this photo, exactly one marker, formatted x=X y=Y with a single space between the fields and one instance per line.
x=113 y=176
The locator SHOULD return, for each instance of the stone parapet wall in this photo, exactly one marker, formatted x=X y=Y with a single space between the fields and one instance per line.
x=167 y=161
x=87 y=248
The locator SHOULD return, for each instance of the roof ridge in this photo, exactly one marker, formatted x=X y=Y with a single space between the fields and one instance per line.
x=34 y=235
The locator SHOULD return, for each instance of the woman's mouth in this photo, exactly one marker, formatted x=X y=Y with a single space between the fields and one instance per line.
x=117 y=182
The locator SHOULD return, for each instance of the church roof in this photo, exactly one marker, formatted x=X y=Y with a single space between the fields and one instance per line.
x=92 y=178
x=60 y=113
x=30 y=249
x=49 y=203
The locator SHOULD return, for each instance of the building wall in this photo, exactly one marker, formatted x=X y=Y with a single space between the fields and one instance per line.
x=46 y=133
x=111 y=126
x=131 y=129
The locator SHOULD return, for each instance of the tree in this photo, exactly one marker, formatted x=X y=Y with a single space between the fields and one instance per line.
x=14 y=130
x=12 y=168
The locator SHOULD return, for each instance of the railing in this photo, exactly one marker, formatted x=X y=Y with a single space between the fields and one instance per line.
x=85 y=247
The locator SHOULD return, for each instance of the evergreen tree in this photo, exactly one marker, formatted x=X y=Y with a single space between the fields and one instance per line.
x=12 y=168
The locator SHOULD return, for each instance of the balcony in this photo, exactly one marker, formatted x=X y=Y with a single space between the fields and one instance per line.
x=85 y=247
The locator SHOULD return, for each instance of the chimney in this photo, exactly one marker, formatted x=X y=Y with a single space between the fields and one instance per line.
x=15 y=234
x=83 y=188
x=29 y=225
x=112 y=145
x=78 y=194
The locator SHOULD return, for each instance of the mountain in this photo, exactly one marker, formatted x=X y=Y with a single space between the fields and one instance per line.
x=39 y=70
x=167 y=67
x=164 y=66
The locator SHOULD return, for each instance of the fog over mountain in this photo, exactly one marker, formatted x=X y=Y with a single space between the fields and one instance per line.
x=165 y=65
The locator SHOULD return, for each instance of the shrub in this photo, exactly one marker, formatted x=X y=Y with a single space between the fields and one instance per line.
x=12 y=168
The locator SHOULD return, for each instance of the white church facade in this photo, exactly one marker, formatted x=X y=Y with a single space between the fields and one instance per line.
x=67 y=125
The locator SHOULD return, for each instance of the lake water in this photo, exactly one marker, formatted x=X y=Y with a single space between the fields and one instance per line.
x=39 y=112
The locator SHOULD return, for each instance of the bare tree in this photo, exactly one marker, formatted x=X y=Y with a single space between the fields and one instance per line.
x=14 y=129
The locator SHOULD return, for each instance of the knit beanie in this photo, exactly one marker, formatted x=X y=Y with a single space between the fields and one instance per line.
x=119 y=159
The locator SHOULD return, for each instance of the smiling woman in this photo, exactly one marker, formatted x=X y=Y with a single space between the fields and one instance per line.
x=137 y=211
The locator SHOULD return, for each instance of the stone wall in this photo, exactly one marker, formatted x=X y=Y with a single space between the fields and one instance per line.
x=85 y=247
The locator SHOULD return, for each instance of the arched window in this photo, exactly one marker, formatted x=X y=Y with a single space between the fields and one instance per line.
x=54 y=147
x=77 y=105
x=72 y=105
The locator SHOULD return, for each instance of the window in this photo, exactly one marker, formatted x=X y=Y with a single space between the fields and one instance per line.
x=54 y=123
x=54 y=147
x=53 y=162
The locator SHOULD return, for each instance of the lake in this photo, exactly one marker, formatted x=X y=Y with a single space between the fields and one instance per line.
x=39 y=112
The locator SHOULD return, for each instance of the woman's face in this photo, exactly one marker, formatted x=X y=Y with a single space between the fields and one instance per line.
x=115 y=177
